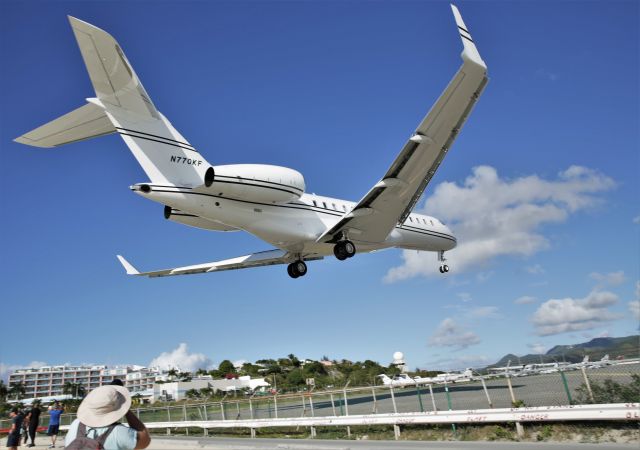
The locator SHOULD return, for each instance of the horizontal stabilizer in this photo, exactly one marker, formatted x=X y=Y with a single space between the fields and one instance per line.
x=86 y=122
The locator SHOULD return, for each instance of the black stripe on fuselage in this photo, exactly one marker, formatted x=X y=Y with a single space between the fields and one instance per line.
x=257 y=185
x=156 y=136
x=300 y=206
x=157 y=140
x=217 y=177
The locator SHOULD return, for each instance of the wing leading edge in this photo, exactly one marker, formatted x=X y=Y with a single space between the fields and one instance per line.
x=266 y=258
x=391 y=200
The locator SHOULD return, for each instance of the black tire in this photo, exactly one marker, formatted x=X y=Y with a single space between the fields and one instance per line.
x=340 y=252
x=349 y=248
x=291 y=271
x=445 y=268
x=441 y=269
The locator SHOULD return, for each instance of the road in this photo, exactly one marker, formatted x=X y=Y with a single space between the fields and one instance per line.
x=280 y=444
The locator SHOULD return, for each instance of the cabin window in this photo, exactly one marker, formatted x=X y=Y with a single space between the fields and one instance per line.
x=344 y=208
x=425 y=221
x=431 y=222
x=315 y=203
x=334 y=206
x=325 y=205
x=410 y=219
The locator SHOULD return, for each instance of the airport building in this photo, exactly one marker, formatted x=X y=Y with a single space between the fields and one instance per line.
x=49 y=381
x=177 y=390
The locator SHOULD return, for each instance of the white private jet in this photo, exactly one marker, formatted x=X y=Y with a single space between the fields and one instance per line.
x=267 y=201
x=401 y=380
x=448 y=377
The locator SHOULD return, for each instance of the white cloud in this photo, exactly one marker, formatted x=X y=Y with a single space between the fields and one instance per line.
x=8 y=369
x=181 y=359
x=465 y=296
x=612 y=278
x=494 y=216
x=560 y=316
x=450 y=334
x=524 y=300
x=535 y=269
x=537 y=348
x=484 y=312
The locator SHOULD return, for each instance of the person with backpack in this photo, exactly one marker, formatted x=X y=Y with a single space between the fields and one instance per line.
x=98 y=424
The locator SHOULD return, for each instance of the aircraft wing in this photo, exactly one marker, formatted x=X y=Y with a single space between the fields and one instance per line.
x=266 y=258
x=391 y=200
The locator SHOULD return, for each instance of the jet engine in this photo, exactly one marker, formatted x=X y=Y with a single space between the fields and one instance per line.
x=184 y=218
x=258 y=183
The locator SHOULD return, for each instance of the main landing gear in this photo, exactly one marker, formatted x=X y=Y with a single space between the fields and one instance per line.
x=297 y=269
x=344 y=249
x=443 y=267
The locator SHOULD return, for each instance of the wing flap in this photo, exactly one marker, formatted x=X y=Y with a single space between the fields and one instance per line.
x=266 y=258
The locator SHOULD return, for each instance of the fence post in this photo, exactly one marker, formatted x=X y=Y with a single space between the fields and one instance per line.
x=393 y=399
x=566 y=386
x=311 y=406
x=304 y=407
x=433 y=399
x=275 y=405
x=333 y=405
x=206 y=418
x=222 y=411
x=346 y=409
x=375 y=401
x=486 y=392
x=446 y=390
x=519 y=427
x=586 y=382
x=419 y=397
x=184 y=415
x=251 y=408
x=396 y=432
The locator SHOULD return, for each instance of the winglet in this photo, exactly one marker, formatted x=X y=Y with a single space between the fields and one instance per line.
x=470 y=52
x=127 y=266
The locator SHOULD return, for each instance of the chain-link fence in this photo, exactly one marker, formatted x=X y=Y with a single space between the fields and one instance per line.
x=618 y=383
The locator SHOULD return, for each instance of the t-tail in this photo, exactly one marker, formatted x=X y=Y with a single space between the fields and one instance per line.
x=122 y=106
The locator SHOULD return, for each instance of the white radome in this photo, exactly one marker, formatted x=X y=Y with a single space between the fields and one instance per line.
x=398 y=356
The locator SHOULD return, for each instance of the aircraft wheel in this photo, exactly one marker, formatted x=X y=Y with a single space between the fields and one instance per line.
x=290 y=271
x=445 y=269
x=300 y=268
x=349 y=248
x=340 y=251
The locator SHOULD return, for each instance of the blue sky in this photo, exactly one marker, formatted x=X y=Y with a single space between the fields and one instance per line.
x=541 y=186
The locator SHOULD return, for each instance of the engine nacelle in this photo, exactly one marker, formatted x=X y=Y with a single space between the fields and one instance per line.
x=258 y=183
x=184 y=218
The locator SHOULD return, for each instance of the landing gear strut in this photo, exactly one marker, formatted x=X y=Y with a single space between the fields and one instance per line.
x=344 y=249
x=297 y=269
x=443 y=267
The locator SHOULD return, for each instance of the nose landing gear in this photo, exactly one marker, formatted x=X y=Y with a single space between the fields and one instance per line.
x=297 y=269
x=443 y=267
x=344 y=249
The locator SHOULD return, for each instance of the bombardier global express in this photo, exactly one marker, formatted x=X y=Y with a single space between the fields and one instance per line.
x=267 y=201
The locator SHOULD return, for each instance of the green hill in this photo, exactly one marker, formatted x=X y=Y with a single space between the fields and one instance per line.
x=616 y=348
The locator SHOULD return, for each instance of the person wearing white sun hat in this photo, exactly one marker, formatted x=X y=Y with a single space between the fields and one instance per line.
x=98 y=418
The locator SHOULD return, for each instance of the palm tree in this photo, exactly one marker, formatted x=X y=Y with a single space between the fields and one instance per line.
x=17 y=389
x=74 y=389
